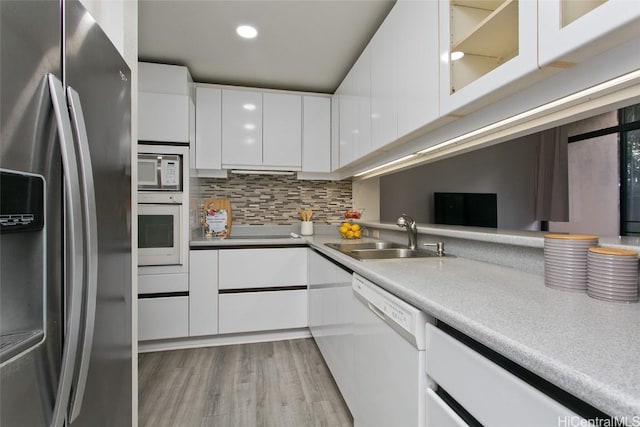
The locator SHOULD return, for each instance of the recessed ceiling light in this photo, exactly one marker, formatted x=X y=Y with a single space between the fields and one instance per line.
x=246 y=31
x=249 y=107
x=249 y=126
x=456 y=55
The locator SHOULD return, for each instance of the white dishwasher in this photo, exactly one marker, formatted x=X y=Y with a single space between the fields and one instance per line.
x=389 y=359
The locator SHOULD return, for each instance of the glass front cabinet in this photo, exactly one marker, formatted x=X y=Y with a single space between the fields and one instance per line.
x=486 y=48
x=572 y=31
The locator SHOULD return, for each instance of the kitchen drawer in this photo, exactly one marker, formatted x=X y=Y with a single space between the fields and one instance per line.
x=160 y=318
x=492 y=395
x=162 y=283
x=262 y=311
x=440 y=414
x=260 y=268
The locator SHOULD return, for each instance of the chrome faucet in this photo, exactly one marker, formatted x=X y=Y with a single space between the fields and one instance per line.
x=405 y=221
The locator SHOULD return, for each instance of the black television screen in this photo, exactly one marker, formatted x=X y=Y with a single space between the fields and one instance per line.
x=473 y=209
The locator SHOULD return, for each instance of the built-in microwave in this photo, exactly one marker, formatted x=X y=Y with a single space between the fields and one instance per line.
x=159 y=172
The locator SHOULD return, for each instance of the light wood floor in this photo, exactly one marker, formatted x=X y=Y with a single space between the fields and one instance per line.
x=282 y=383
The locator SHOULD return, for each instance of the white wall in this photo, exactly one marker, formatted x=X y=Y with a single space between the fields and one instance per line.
x=507 y=169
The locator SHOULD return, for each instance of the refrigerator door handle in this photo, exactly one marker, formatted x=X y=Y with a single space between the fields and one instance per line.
x=74 y=244
x=90 y=226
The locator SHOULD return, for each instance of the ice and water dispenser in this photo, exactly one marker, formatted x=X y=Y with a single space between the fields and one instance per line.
x=22 y=262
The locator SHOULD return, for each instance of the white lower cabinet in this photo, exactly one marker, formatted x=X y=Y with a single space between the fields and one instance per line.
x=262 y=311
x=331 y=305
x=262 y=289
x=268 y=267
x=203 y=292
x=161 y=318
x=488 y=392
x=440 y=414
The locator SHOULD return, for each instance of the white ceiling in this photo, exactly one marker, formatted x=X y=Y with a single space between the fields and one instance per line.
x=306 y=45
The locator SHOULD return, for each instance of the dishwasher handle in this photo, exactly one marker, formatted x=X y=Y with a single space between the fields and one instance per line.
x=405 y=319
x=376 y=311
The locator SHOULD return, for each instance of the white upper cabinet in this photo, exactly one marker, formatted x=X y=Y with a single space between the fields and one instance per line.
x=316 y=134
x=348 y=121
x=241 y=128
x=355 y=111
x=499 y=42
x=363 y=94
x=572 y=31
x=418 y=67
x=404 y=71
x=208 y=147
x=335 y=132
x=384 y=82
x=163 y=103
x=282 y=130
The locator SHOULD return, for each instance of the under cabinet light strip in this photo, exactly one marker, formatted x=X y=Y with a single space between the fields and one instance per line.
x=259 y=172
x=617 y=83
x=384 y=165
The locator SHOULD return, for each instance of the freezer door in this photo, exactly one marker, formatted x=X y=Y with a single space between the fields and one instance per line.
x=100 y=77
x=30 y=48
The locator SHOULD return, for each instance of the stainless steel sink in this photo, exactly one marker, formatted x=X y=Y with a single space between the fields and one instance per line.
x=364 y=246
x=372 y=251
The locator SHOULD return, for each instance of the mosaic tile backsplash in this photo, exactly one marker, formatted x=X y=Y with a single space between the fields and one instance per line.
x=272 y=199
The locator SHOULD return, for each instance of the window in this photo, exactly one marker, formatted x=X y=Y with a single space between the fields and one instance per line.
x=630 y=170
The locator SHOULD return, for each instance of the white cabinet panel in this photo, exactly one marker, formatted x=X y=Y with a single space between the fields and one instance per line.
x=384 y=81
x=163 y=117
x=160 y=318
x=418 y=71
x=241 y=128
x=491 y=394
x=348 y=122
x=335 y=132
x=257 y=268
x=316 y=134
x=570 y=32
x=262 y=311
x=163 y=78
x=331 y=320
x=440 y=414
x=355 y=111
x=203 y=292
x=161 y=283
x=282 y=130
x=208 y=128
x=363 y=94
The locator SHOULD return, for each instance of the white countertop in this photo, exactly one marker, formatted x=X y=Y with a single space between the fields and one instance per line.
x=589 y=348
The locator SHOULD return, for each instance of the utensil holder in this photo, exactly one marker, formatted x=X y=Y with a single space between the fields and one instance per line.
x=306 y=228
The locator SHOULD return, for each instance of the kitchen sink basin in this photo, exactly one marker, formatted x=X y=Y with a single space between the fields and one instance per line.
x=372 y=251
x=364 y=246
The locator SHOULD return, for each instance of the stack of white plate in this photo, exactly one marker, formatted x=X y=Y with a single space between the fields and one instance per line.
x=613 y=274
x=565 y=260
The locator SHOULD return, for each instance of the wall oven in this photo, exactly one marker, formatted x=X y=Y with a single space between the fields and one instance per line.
x=160 y=216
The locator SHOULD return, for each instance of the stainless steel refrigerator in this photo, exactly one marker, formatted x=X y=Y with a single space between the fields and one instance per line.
x=65 y=219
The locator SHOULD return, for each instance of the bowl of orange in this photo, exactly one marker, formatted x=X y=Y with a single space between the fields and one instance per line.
x=349 y=230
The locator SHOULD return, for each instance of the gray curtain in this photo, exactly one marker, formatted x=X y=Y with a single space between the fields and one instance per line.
x=552 y=181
